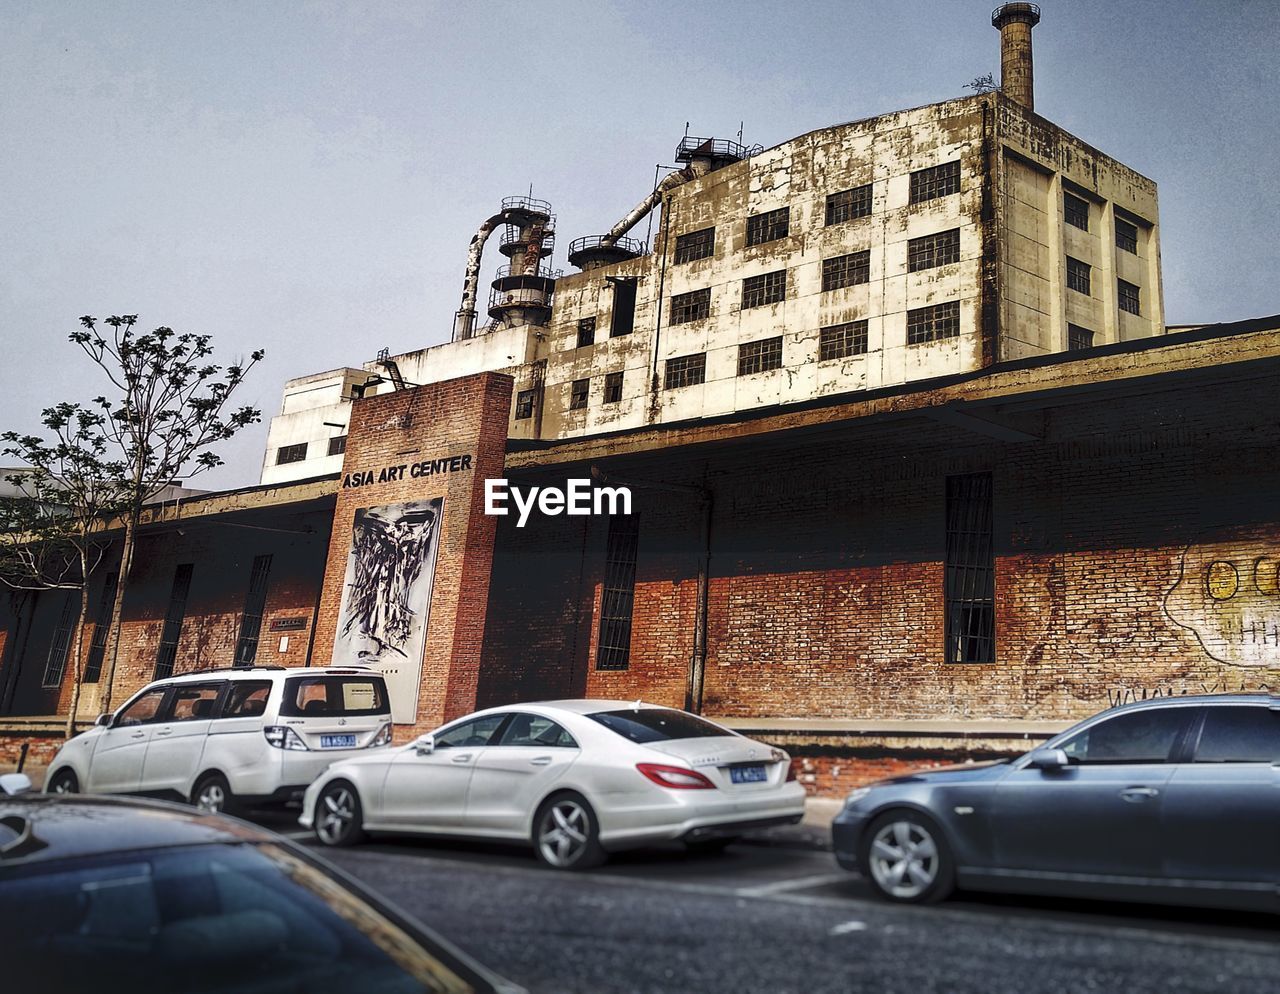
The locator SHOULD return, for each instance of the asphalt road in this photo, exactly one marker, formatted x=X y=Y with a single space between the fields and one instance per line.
x=760 y=920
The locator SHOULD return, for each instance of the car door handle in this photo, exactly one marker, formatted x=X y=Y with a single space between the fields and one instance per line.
x=1136 y=794
x=540 y=761
x=464 y=758
x=138 y=735
x=165 y=731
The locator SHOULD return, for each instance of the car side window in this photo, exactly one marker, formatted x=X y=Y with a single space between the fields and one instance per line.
x=1244 y=734
x=193 y=701
x=247 y=699
x=476 y=732
x=145 y=710
x=536 y=731
x=1146 y=736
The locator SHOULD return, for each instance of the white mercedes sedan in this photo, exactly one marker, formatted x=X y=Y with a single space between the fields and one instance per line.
x=576 y=779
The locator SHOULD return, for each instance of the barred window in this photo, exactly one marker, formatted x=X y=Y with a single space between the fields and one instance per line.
x=613 y=652
x=756 y=357
x=56 y=662
x=768 y=226
x=685 y=371
x=929 y=324
x=1078 y=275
x=1128 y=295
x=291 y=453
x=167 y=653
x=255 y=602
x=613 y=387
x=970 y=584
x=692 y=306
x=1078 y=338
x=932 y=251
x=768 y=288
x=586 y=332
x=935 y=182
x=849 y=204
x=846 y=270
x=337 y=445
x=838 y=341
x=578 y=392
x=524 y=404
x=1126 y=236
x=695 y=245
x=1075 y=211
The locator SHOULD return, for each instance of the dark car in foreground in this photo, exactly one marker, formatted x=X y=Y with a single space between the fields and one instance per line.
x=106 y=894
x=1172 y=799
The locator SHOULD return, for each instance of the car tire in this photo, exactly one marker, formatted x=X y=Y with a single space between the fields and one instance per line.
x=566 y=833
x=907 y=859
x=212 y=795
x=64 y=781
x=339 y=818
x=711 y=847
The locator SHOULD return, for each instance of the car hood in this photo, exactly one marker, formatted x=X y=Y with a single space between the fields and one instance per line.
x=961 y=773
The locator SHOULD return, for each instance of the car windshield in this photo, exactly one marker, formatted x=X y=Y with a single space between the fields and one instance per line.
x=331 y=696
x=210 y=918
x=657 y=725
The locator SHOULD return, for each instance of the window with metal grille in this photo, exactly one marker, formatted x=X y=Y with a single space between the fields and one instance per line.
x=1075 y=211
x=524 y=404
x=612 y=387
x=692 y=306
x=337 y=445
x=56 y=662
x=586 y=332
x=756 y=357
x=970 y=571
x=935 y=182
x=167 y=653
x=618 y=596
x=255 y=602
x=928 y=324
x=768 y=288
x=624 y=305
x=846 y=270
x=932 y=251
x=291 y=453
x=101 y=627
x=1128 y=297
x=578 y=392
x=1078 y=275
x=838 y=341
x=695 y=245
x=1126 y=236
x=1078 y=338
x=848 y=204
x=685 y=371
x=768 y=226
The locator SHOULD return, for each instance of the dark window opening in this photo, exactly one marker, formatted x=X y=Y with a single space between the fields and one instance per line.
x=970 y=571
x=929 y=324
x=1126 y=236
x=935 y=182
x=1078 y=276
x=1078 y=338
x=695 y=245
x=618 y=596
x=932 y=251
x=337 y=445
x=756 y=357
x=1075 y=211
x=612 y=388
x=101 y=628
x=524 y=404
x=291 y=453
x=849 y=204
x=685 y=371
x=586 y=332
x=1128 y=297
x=56 y=662
x=768 y=288
x=578 y=392
x=692 y=306
x=846 y=270
x=255 y=602
x=838 y=341
x=167 y=653
x=769 y=226
x=624 y=306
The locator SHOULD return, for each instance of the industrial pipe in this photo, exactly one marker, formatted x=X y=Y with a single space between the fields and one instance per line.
x=464 y=322
x=670 y=182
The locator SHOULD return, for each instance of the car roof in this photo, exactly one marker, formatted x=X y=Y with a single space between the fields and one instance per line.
x=267 y=672
x=1262 y=698
x=593 y=706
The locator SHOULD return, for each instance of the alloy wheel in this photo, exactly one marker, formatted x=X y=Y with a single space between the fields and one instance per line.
x=564 y=833
x=337 y=815
x=64 y=783
x=212 y=797
x=904 y=859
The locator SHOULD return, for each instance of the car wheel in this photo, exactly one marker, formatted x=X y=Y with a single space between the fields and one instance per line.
x=566 y=835
x=907 y=858
x=711 y=847
x=339 y=819
x=212 y=795
x=63 y=782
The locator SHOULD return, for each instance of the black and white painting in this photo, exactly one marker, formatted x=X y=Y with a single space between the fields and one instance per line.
x=386 y=596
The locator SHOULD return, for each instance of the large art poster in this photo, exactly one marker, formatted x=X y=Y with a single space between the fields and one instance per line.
x=386 y=596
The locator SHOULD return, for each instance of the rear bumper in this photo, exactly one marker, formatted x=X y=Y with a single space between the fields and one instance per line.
x=668 y=816
x=282 y=797
x=729 y=830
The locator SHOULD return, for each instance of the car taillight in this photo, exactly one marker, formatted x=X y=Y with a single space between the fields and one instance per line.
x=284 y=737
x=791 y=770
x=383 y=737
x=675 y=777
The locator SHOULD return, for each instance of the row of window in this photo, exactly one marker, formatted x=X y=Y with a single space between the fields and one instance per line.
x=298 y=452
x=1079 y=278
x=1075 y=211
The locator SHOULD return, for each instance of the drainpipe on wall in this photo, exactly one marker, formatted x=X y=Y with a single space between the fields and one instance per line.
x=698 y=662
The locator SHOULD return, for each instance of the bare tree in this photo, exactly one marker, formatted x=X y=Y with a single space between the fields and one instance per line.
x=983 y=84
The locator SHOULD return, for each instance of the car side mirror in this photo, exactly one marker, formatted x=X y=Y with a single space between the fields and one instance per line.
x=102 y=721
x=1049 y=760
x=424 y=745
x=12 y=784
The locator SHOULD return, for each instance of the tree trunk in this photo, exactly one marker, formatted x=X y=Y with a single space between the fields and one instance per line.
x=113 y=647
x=77 y=660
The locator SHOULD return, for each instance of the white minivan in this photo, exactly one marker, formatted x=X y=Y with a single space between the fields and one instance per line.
x=227 y=739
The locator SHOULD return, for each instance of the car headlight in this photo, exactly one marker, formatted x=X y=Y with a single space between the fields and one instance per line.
x=857 y=795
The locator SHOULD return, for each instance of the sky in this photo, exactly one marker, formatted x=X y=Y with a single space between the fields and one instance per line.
x=305 y=177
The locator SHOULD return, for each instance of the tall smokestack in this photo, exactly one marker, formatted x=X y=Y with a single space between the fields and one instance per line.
x=1015 y=21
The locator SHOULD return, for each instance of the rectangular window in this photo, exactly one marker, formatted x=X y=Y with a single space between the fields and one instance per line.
x=167 y=653
x=1078 y=276
x=929 y=324
x=1078 y=338
x=935 y=182
x=768 y=226
x=970 y=571
x=848 y=204
x=685 y=371
x=624 y=305
x=612 y=387
x=1244 y=734
x=524 y=404
x=1075 y=211
x=1128 y=297
x=692 y=306
x=1126 y=236
x=838 y=341
x=618 y=595
x=255 y=602
x=932 y=251
x=695 y=245
x=768 y=288
x=56 y=663
x=756 y=357
x=291 y=453
x=586 y=332
x=846 y=270
x=101 y=627
x=578 y=392
x=337 y=445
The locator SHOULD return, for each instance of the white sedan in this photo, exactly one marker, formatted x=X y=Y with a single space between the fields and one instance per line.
x=577 y=779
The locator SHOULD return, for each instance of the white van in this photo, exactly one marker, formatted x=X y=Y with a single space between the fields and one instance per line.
x=230 y=738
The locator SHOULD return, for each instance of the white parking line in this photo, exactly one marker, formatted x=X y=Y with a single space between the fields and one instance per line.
x=798 y=883
x=845 y=927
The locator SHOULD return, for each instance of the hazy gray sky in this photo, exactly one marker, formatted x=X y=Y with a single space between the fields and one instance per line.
x=305 y=177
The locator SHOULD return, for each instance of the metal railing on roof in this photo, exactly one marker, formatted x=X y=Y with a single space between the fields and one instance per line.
x=715 y=148
x=633 y=245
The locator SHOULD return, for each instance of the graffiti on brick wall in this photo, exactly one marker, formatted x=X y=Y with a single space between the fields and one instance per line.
x=1228 y=595
x=1126 y=695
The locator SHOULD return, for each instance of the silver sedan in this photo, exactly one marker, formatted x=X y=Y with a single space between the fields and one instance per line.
x=576 y=779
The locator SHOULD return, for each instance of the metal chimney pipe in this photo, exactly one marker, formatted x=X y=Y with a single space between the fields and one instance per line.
x=464 y=321
x=1015 y=21
x=638 y=212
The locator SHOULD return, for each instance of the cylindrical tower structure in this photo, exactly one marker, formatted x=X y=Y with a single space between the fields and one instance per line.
x=1015 y=21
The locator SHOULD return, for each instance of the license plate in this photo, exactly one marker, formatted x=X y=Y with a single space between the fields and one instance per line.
x=337 y=741
x=747 y=774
